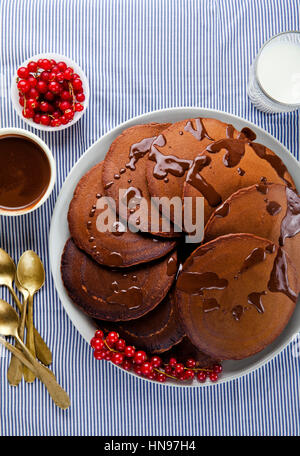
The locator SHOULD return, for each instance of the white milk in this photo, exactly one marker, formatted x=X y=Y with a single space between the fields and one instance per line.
x=278 y=71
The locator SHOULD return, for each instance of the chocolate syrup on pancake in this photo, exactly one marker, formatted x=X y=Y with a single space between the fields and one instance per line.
x=235 y=150
x=273 y=208
x=256 y=256
x=167 y=163
x=195 y=179
x=290 y=225
x=196 y=282
x=255 y=300
x=274 y=160
x=210 y=304
x=223 y=210
x=24 y=172
x=200 y=132
x=131 y=297
x=172 y=266
x=279 y=281
x=237 y=312
x=139 y=150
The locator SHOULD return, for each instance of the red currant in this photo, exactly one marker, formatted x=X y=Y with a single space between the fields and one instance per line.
x=191 y=363
x=45 y=120
x=32 y=103
x=41 y=86
x=129 y=351
x=120 y=345
x=65 y=95
x=62 y=66
x=126 y=365
x=117 y=358
x=179 y=368
x=147 y=368
x=60 y=76
x=68 y=74
x=217 y=368
x=99 y=334
x=140 y=357
x=172 y=362
x=77 y=84
x=112 y=337
x=33 y=93
x=22 y=100
x=97 y=343
x=64 y=105
x=201 y=376
x=45 y=76
x=80 y=97
x=213 y=377
x=156 y=361
x=54 y=87
x=32 y=67
x=78 y=107
x=44 y=106
x=100 y=354
x=138 y=369
x=69 y=114
x=23 y=72
x=46 y=64
x=108 y=355
x=28 y=113
x=49 y=96
x=32 y=81
x=64 y=120
x=55 y=123
x=189 y=374
x=37 y=118
x=23 y=86
x=161 y=378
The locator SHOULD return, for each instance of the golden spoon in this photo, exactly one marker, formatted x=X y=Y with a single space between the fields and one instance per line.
x=31 y=276
x=9 y=323
x=7 y=276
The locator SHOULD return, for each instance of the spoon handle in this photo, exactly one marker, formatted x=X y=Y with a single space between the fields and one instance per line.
x=58 y=394
x=42 y=351
x=28 y=375
x=17 y=354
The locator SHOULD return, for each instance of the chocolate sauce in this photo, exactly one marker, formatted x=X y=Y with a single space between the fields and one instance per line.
x=279 y=281
x=256 y=256
x=276 y=163
x=108 y=185
x=247 y=133
x=165 y=164
x=223 y=210
x=237 y=312
x=210 y=304
x=290 y=225
x=196 y=282
x=262 y=188
x=24 y=172
x=132 y=197
x=195 y=179
x=172 y=266
x=131 y=297
x=138 y=151
x=114 y=259
x=241 y=171
x=255 y=300
x=235 y=150
x=200 y=132
x=273 y=208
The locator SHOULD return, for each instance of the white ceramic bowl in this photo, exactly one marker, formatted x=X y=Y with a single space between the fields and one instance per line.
x=58 y=58
x=47 y=151
x=59 y=232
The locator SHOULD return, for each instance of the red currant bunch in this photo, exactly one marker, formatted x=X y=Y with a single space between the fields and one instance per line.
x=50 y=93
x=111 y=347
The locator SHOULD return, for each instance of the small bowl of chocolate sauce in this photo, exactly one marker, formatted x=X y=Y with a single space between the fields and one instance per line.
x=27 y=172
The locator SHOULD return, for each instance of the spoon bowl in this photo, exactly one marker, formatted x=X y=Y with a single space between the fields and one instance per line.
x=31 y=273
x=7 y=269
x=9 y=320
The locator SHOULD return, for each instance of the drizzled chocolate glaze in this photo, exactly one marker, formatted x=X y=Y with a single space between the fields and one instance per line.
x=237 y=312
x=255 y=299
x=273 y=207
x=256 y=256
x=195 y=282
x=290 y=225
x=210 y=304
x=223 y=210
x=235 y=150
x=200 y=133
x=172 y=266
x=138 y=151
x=274 y=160
x=279 y=281
x=132 y=297
x=167 y=163
x=196 y=180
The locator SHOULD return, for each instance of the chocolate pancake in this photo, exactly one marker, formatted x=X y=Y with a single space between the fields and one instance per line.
x=235 y=295
x=228 y=165
x=118 y=247
x=270 y=211
x=156 y=332
x=114 y=294
x=124 y=177
x=173 y=152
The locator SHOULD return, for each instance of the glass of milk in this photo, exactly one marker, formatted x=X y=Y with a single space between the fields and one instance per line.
x=274 y=80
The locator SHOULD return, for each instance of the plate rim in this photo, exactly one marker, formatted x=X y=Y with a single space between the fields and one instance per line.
x=134 y=121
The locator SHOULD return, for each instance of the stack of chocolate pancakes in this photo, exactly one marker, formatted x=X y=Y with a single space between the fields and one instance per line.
x=226 y=298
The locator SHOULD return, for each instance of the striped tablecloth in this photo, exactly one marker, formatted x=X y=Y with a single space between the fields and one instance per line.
x=140 y=55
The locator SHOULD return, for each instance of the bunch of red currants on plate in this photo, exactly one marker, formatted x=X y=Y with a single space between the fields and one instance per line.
x=50 y=93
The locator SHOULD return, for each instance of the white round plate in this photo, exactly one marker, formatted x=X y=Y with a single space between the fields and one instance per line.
x=59 y=232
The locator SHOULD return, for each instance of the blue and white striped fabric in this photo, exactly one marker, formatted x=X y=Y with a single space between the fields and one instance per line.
x=140 y=55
